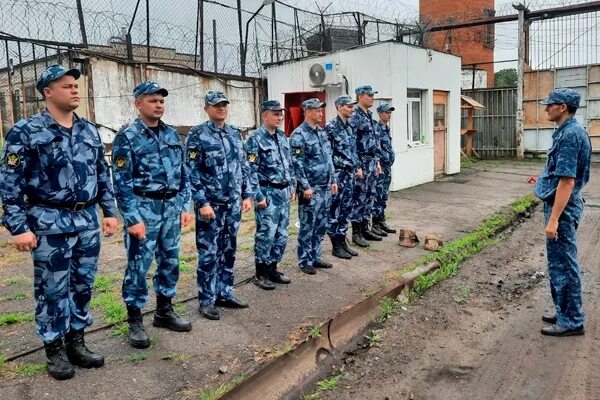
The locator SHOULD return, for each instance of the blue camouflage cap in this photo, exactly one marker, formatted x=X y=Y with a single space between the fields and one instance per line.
x=343 y=100
x=385 y=107
x=563 y=96
x=312 y=103
x=52 y=73
x=149 y=87
x=214 y=97
x=365 y=89
x=271 y=105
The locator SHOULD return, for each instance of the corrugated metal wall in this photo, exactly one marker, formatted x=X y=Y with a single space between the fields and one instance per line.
x=496 y=125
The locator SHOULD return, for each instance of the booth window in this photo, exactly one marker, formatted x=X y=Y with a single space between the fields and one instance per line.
x=414 y=120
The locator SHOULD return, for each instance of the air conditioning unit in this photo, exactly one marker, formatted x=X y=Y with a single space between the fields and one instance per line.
x=325 y=74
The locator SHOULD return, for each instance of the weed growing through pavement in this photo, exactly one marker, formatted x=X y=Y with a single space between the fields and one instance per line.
x=15 y=318
x=214 y=394
x=314 y=332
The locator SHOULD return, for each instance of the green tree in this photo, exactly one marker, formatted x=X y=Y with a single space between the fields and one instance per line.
x=506 y=77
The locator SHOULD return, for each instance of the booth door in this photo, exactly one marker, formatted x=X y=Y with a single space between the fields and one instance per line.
x=440 y=131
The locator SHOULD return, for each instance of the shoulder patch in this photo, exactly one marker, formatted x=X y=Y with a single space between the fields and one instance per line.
x=12 y=160
x=252 y=158
x=298 y=150
x=192 y=154
x=120 y=162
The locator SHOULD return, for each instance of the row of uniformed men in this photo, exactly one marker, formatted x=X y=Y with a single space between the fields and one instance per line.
x=54 y=175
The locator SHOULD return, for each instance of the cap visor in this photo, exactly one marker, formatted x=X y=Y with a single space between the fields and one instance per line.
x=74 y=72
x=214 y=103
x=546 y=102
x=391 y=109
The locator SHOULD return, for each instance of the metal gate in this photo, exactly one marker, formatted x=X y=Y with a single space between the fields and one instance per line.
x=496 y=125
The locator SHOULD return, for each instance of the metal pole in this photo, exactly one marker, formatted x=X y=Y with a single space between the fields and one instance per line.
x=241 y=34
x=201 y=35
x=81 y=23
x=35 y=73
x=11 y=99
x=275 y=30
x=148 y=30
x=128 y=34
x=520 y=74
x=215 y=44
x=196 y=42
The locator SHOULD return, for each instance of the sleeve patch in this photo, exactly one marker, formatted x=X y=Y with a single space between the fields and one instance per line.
x=192 y=154
x=297 y=150
x=252 y=158
x=12 y=160
x=120 y=162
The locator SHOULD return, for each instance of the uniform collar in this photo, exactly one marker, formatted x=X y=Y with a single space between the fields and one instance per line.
x=266 y=132
x=310 y=128
x=214 y=126
x=361 y=111
x=341 y=121
x=141 y=124
x=561 y=128
x=51 y=122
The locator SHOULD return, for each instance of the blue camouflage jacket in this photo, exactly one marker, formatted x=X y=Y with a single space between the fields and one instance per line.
x=311 y=157
x=569 y=156
x=270 y=160
x=218 y=170
x=386 y=151
x=343 y=145
x=367 y=141
x=42 y=160
x=147 y=163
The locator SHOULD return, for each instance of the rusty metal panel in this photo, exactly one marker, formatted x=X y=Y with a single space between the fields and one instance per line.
x=594 y=74
x=571 y=77
x=594 y=128
x=537 y=84
x=535 y=116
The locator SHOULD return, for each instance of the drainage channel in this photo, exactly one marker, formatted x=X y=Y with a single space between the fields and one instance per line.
x=284 y=377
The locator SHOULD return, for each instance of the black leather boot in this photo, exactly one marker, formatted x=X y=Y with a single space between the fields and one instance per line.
x=350 y=251
x=376 y=228
x=138 y=337
x=261 y=279
x=367 y=233
x=165 y=317
x=357 y=237
x=383 y=226
x=320 y=263
x=59 y=366
x=78 y=353
x=277 y=276
x=338 y=250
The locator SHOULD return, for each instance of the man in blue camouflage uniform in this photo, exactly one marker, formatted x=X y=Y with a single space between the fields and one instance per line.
x=219 y=178
x=367 y=147
x=347 y=167
x=271 y=177
x=53 y=176
x=152 y=191
x=559 y=187
x=386 y=159
x=315 y=175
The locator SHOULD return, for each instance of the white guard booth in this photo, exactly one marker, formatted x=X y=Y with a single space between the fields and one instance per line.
x=423 y=85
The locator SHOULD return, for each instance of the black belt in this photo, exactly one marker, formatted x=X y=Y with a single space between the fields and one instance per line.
x=274 y=185
x=368 y=154
x=72 y=206
x=160 y=195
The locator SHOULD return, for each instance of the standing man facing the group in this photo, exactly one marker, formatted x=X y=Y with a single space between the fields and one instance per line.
x=367 y=147
x=315 y=176
x=559 y=186
x=52 y=178
x=272 y=180
x=153 y=194
x=387 y=156
x=221 y=190
x=347 y=169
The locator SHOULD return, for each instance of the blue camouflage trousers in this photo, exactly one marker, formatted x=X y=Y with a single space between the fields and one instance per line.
x=216 y=241
x=314 y=219
x=64 y=269
x=382 y=190
x=272 y=226
x=365 y=191
x=341 y=204
x=564 y=272
x=163 y=231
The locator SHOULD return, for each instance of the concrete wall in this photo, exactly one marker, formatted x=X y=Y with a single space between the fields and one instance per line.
x=113 y=85
x=391 y=68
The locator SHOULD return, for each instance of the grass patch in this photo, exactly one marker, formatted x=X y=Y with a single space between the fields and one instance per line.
x=314 y=332
x=329 y=383
x=467 y=162
x=2 y=361
x=185 y=266
x=16 y=296
x=373 y=337
x=246 y=247
x=180 y=308
x=388 y=306
x=293 y=230
x=106 y=283
x=111 y=306
x=214 y=394
x=175 y=357
x=15 y=280
x=15 y=318
x=30 y=369
x=138 y=357
x=119 y=330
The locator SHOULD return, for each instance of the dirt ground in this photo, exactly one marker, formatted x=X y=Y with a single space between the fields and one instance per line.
x=180 y=365
x=477 y=335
